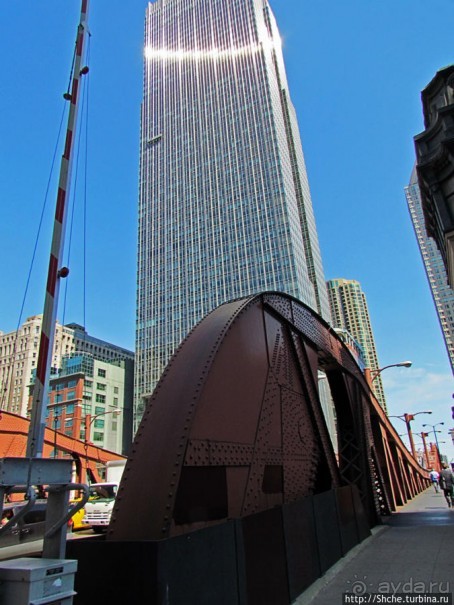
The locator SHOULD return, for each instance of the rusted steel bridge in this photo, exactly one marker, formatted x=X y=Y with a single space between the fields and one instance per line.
x=235 y=425
x=233 y=473
x=14 y=431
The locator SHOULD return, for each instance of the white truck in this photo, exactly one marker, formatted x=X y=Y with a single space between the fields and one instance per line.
x=98 y=509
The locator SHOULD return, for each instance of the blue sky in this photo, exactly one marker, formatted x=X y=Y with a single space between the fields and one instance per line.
x=355 y=70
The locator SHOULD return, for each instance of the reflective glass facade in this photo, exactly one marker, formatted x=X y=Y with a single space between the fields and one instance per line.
x=435 y=268
x=225 y=208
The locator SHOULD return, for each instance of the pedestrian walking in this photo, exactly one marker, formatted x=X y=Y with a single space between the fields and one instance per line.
x=446 y=482
x=434 y=477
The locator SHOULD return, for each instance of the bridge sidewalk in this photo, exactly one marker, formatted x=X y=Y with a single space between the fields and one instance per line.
x=412 y=552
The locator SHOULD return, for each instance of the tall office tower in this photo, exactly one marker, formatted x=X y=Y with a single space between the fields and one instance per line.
x=100 y=349
x=349 y=312
x=435 y=268
x=225 y=208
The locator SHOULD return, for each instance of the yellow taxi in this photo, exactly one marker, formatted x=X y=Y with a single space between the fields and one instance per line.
x=77 y=520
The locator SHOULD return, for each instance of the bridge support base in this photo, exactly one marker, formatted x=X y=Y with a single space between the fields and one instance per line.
x=268 y=558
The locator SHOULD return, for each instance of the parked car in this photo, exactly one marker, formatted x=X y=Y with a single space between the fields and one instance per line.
x=77 y=520
x=30 y=527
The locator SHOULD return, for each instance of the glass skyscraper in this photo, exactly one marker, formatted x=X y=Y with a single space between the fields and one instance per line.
x=225 y=208
x=442 y=294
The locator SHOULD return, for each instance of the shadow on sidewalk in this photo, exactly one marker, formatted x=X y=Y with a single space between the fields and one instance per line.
x=429 y=508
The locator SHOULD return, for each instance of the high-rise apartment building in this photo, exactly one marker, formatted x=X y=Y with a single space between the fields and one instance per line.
x=225 y=207
x=349 y=311
x=442 y=294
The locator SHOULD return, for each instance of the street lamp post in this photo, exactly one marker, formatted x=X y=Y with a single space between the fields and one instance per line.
x=426 y=453
x=436 y=438
x=55 y=422
x=402 y=364
x=407 y=418
x=89 y=419
x=423 y=436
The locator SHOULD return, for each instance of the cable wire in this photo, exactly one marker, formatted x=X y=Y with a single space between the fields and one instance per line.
x=7 y=390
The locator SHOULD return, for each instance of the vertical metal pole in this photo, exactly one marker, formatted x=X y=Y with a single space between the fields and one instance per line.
x=438 y=449
x=54 y=547
x=86 y=444
x=55 y=432
x=87 y=428
x=426 y=453
x=55 y=272
x=408 y=418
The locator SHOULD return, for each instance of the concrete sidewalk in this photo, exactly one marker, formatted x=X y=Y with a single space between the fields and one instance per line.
x=412 y=552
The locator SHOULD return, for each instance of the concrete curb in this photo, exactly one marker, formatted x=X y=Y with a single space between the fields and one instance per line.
x=310 y=593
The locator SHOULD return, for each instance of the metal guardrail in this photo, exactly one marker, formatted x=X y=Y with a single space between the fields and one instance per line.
x=20 y=475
